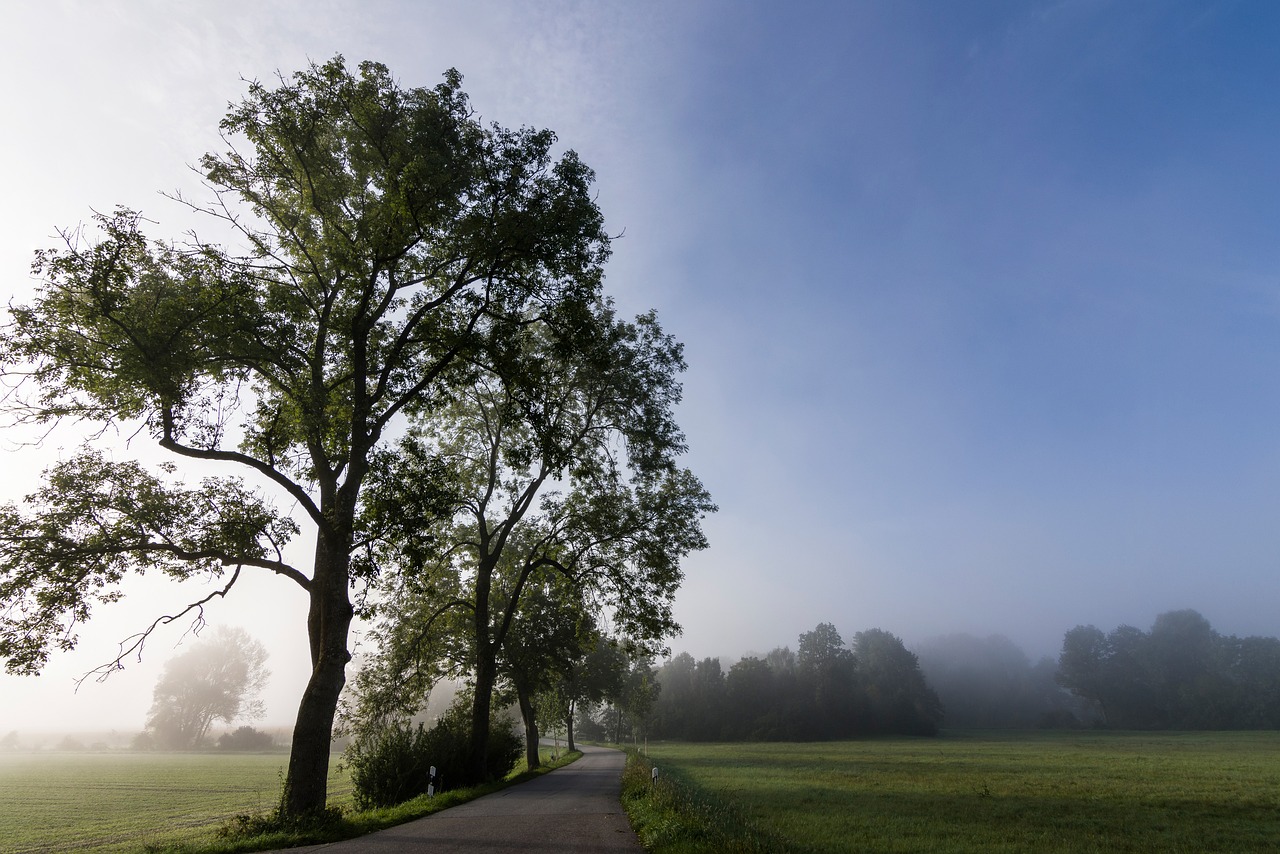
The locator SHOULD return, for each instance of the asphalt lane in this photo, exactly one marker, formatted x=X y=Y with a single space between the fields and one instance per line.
x=572 y=809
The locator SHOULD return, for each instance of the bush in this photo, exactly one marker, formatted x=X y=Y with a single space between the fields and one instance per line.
x=389 y=765
x=506 y=747
x=245 y=738
x=393 y=764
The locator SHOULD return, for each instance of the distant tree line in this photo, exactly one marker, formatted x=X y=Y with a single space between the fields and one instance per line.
x=1179 y=675
x=824 y=690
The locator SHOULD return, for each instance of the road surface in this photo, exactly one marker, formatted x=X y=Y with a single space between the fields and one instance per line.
x=571 y=809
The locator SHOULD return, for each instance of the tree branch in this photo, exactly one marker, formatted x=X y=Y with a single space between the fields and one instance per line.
x=133 y=645
x=297 y=492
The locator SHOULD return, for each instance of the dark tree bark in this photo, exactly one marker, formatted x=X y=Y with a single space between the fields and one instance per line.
x=481 y=711
x=328 y=625
x=529 y=716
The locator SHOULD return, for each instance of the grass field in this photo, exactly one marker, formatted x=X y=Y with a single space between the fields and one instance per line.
x=111 y=803
x=119 y=802
x=1024 y=792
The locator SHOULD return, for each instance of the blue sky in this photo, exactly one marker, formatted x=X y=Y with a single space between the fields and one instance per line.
x=981 y=301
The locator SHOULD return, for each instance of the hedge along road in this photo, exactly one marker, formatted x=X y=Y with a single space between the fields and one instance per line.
x=574 y=808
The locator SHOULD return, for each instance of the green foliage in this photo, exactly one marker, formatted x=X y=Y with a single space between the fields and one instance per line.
x=551 y=631
x=691 y=704
x=631 y=700
x=392 y=763
x=569 y=497
x=392 y=247
x=277 y=824
x=898 y=700
x=389 y=765
x=96 y=520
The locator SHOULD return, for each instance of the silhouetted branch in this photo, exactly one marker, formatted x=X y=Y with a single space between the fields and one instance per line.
x=133 y=645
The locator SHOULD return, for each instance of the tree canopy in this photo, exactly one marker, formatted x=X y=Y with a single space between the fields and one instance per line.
x=563 y=460
x=390 y=247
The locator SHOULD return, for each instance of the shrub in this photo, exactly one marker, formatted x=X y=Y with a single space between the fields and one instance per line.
x=506 y=747
x=393 y=763
x=245 y=738
x=389 y=765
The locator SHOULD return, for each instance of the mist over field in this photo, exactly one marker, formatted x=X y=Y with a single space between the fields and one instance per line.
x=980 y=302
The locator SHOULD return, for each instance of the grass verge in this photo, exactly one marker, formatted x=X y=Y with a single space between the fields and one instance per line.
x=247 y=833
x=672 y=815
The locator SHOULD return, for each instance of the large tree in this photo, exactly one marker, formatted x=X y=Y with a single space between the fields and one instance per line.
x=217 y=679
x=563 y=456
x=388 y=242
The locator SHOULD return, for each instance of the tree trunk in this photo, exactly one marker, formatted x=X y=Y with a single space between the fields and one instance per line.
x=328 y=624
x=481 y=705
x=569 y=726
x=531 y=757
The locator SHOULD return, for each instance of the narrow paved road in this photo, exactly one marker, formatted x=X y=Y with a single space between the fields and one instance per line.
x=571 y=809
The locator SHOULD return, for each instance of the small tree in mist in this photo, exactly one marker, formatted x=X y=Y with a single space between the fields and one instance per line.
x=218 y=679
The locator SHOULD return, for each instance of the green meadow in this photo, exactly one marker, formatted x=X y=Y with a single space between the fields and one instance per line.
x=998 y=792
x=992 y=792
x=109 y=803
x=122 y=802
